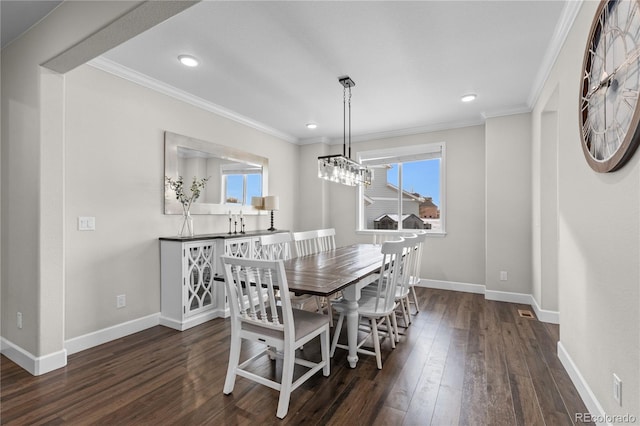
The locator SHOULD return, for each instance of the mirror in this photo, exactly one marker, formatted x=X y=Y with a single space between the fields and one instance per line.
x=234 y=176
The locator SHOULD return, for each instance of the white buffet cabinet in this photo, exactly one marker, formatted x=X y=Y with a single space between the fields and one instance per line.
x=191 y=277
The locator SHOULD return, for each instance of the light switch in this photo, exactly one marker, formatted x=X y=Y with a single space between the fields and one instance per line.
x=86 y=223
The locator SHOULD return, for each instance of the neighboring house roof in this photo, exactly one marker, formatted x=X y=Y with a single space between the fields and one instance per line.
x=394 y=217
x=414 y=196
x=428 y=202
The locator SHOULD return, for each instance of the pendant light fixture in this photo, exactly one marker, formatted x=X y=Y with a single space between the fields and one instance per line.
x=341 y=168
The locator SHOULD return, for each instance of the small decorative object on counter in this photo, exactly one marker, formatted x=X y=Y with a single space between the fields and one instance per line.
x=186 y=200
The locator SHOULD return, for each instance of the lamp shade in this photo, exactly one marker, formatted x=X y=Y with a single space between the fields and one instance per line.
x=257 y=202
x=271 y=202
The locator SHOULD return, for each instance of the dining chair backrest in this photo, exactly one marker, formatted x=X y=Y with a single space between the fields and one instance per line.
x=390 y=272
x=326 y=239
x=408 y=261
x=256 y=304
x=306 y=242
x=275 y=246
x=422 y=239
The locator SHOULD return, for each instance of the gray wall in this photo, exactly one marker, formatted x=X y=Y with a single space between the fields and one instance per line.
x=114 y=158
x=51 y=174
x=598 y=238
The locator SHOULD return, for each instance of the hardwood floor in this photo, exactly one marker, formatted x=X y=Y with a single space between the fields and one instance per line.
x=464 y=360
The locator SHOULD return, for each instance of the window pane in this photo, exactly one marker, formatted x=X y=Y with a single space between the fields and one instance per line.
x=404 y=194
x=422 y=177
x=380 y=203
x=254 y=187
x=421 y=186
x=233 y=190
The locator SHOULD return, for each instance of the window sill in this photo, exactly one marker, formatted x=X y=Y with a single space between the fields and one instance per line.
x=440 y=234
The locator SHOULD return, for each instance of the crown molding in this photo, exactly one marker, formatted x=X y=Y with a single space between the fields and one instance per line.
x=126 y=73
x=567 y=18
x=506 y=112
x=397 y=133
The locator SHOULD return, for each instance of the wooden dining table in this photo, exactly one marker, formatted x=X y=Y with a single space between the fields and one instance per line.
x=347 y=269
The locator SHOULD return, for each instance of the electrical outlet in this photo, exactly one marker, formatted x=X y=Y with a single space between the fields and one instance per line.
x=617 y=389
x=19 y=319
x=121 y=301
x=503 y=275
x=86 y=223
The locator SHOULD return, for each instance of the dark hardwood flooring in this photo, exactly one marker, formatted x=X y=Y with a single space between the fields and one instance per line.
x=464 y=360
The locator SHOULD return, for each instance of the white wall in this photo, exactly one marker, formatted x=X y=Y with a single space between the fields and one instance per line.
x=460 y=255
x=114 y=160
x=508 y=188
x=312 y=207
x=32 y=139
x=598 y=242
x=598 y=225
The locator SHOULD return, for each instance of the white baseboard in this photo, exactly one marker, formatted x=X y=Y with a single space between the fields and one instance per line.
x=108 y=334
x=33 y=364
x=588 y=397
x=500 y=296
x=507 y=296
x=452 y=285
x=544 y=315
x=190 y=322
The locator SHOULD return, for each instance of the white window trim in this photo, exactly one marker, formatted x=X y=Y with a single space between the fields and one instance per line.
x=401 y=152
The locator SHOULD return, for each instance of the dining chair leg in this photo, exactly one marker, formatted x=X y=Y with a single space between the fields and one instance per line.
x=286 y=384
x=390 y=331
x=336 y=334
x=376 y=342
x=415 y=298
x=234 y=360
x=394 y=320
x=407 y=304
x=404 y=313
x=324 y=350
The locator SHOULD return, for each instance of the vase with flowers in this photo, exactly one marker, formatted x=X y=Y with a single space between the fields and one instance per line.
x=185 y=200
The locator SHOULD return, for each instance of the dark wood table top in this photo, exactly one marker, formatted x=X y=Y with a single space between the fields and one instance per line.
x=325 y=273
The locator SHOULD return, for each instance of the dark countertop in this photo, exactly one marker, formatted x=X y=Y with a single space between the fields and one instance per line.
x=224 y=235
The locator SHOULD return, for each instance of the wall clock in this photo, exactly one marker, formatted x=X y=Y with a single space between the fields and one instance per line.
x=610 y=86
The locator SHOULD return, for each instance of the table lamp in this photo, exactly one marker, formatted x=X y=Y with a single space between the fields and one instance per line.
x=271 y=202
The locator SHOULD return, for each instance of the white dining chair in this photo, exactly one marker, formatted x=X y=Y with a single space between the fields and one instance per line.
x=278 y=247
x=326 y=239
x=403 y=290
x=378 y=308
x=406 y=273
x=306 y=242
x=276 y=324
x=312 y=242
x=275 y=246
x=414 y=280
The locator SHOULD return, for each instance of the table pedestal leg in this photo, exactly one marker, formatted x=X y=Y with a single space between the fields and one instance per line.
x=351 y=295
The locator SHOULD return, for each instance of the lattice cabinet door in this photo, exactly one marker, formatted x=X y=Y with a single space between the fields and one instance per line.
x=199 y=287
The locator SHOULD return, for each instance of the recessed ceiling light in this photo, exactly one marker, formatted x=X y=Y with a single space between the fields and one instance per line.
x=468 y=98
x=312 y=126
x=188 y=60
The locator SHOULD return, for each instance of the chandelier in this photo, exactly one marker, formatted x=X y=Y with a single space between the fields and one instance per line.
x=341 y=168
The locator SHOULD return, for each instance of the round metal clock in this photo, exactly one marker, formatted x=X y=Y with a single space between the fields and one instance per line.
x=610 y=86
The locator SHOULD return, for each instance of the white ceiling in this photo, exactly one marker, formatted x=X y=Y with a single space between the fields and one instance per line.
x=275 y=64
x=17 y=16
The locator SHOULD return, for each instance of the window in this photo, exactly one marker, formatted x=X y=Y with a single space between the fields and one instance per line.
x=241 y=183
x=407 y=191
